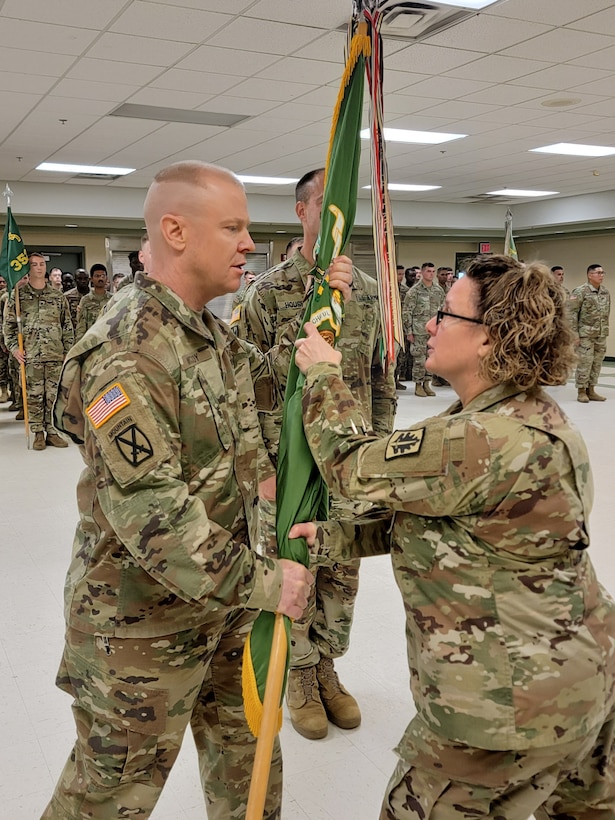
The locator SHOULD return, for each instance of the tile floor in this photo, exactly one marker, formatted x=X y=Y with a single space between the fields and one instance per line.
x=339 y=778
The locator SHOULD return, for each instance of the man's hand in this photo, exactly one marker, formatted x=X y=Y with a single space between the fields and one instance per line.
x=340 y=276
x=296 y=586
x=306 y=530
x=314 y=349
x=410 y=338
x=20 y=356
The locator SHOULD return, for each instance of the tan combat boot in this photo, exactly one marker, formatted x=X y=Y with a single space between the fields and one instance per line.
x=39 y=441
x=419 y=390
x=307 y=714
x=582 y=395
x=54 y=440
x=593 y=396
x=4 y=395
x=341 y=708
x=427 y=388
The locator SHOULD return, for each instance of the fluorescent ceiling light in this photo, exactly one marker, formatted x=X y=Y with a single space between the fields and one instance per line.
x=83 y=169
x=575 y=150
x=520 y=192
x=267 y=180
x=470 y=4
x=418 y=137
x=400 y=186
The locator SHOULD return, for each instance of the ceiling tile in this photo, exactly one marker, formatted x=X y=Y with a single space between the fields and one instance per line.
x=426 y=59
x=133 y=49
x=499 y=69
x=295 y=70
x=113 y=92
x=322 y=13
x=165 y=23
x=197 y=82
x=560 y=45
x=445 y=88
x=281 y=38
x=227 y=61
x=37 y=62
x=112 y=71
x=557 y=13
x=56 y=39
x=90 y=14
x=603 y=21
x=481 y=32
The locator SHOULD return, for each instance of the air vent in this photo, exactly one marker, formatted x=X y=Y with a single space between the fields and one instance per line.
x=494 y=200
x=413 y=21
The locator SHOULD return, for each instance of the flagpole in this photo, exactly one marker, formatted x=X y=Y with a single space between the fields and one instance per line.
x=269 y=726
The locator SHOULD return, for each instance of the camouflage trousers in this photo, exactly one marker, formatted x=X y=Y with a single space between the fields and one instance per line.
x=42 y=379
x=591 y=353
x=403 y=365
x=445 y=781
x=4 y=366
x=418 y=351
x=324 y=628
x=15 y=379
x=134 y=698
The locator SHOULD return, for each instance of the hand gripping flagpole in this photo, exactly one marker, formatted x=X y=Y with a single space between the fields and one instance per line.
x=7 y=194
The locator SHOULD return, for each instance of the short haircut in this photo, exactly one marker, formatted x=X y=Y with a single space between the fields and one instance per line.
x=556 y=267
x=133 y=255
x=97 y=266
x=36 y=253
x=296 y=240
x=304 y=186
x=427 y=265
x=593 y=267
x=192 y=171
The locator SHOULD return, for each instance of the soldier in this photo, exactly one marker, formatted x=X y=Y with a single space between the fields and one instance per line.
x=94 y=302
x=420 y=305
x=4 y=353
x=589 y=308
x=47 y=338
x=164 y=584
x=511 y=639
x=401 y=366
x=273 y=309
x=135 y=260
x=76 y=294
x=248 y=277
x=558 y=275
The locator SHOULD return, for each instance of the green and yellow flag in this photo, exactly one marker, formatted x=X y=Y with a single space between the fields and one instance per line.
x=14 y=263
x=301 y=492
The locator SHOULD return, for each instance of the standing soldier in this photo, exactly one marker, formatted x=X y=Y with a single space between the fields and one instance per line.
x=273 y=308
x=421 y=304
x=401 y=366
x=47 y=338
x=92 y=304
x=76 y=294
x=4 y=354
x=589 y=307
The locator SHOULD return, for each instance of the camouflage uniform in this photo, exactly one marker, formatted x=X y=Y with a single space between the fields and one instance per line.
x=511 y=639
x=403 y=369
x=5 y=384
x=47 y=338
x=89 y=309
x=163 y=585
x=589 y=310
x=420 y=305
x=73 y=297
x=273 y=309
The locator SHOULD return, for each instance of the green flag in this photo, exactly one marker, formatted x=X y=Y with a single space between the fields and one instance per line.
x=14 y=263
x=301 y=492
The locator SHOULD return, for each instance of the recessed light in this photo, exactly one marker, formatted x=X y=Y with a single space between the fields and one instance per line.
x=399 y=186
x=561 y=102
x=520 y=192
x=71 y=226
x=575 y=150
x=417 y=137
x=83 y=169
x=267 y=180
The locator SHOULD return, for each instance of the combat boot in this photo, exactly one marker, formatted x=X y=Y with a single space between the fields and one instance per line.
x=20 y=415
x=54 y=440
x=582 y=395
x=39 y=441
x=4 y=395
x=419 y=390
x=341 y=708
x=593 y=396
x=427 y=388
x=307 y=714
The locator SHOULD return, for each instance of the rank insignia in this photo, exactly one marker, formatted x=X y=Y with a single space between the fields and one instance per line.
x=134 y=445
x=107 y=404
x=404 y=443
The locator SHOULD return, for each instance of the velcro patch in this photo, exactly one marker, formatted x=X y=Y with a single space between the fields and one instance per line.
x=134 y=445
x=107 y=405
x=404 y=443
x=235 y=315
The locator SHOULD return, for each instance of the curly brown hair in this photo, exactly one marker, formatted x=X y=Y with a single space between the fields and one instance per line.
x=523 y=308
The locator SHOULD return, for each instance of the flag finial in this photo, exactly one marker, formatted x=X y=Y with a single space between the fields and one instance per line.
x=8 y=194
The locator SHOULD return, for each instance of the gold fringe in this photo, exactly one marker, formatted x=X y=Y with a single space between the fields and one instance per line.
x=360 y=44
x=252 y=706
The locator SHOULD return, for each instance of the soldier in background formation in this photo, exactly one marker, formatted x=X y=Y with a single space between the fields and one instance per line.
x=422 y=302
x=273 y=309
x=511 y=638
x=403 y=365
x=5 y=385
x=589 y=308
x=55 y=279
x=93 y=303
x=76 y=294
x=47 y=337
x=558 y=274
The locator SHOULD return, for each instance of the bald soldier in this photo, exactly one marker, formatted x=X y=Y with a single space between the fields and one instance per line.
x=164 y=584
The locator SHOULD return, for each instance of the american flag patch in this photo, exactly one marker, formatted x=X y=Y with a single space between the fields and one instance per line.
x=107 y=405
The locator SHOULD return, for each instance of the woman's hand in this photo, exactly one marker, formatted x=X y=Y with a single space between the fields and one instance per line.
x=313 y=349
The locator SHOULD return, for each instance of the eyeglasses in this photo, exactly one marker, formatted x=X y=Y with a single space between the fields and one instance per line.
x=442 y=313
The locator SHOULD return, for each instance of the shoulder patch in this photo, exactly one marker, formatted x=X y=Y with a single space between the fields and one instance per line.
x=235 y=315
x=134 y=445
x=107 y=404
x=404 y=443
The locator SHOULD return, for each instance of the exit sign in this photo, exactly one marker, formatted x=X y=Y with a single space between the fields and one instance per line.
x=484 y=247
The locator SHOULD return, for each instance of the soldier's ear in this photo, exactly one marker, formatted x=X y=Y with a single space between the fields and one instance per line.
x=173 y=230
x=300 y=210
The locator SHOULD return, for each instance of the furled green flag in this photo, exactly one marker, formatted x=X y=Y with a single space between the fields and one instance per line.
x=509 y=240
x=14 y=263
x=301 y=492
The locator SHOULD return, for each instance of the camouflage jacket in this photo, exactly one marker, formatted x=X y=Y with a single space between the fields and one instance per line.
x=162 y=402
x=88 y=310
x=46 y=325
x=420 y=305
x=74 y=297
x=511 y=640
x=589 y=310
x=272 y=311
